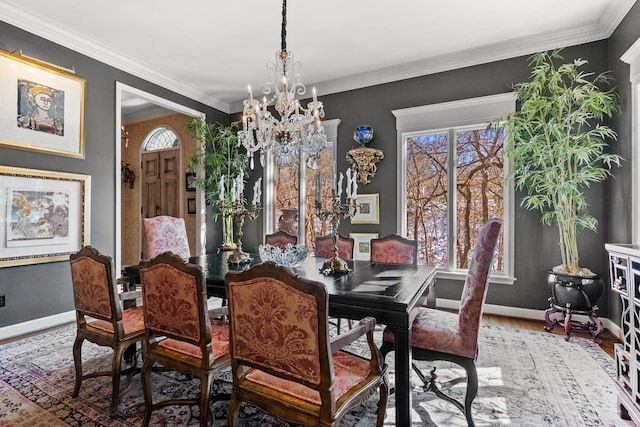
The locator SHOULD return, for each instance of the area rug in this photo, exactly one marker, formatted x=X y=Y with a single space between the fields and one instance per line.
x=527 y=378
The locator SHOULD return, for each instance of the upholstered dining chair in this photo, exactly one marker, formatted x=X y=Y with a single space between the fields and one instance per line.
x=100 y=318
x=282 y=359
x=453 y=337
x=394 y=249
x=180 y=332
x=165 y=233
x=280 y=238
x=324 y=247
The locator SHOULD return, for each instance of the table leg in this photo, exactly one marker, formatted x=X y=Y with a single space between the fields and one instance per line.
x=403 y=377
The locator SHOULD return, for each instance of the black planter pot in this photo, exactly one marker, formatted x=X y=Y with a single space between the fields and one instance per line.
x=581 y=292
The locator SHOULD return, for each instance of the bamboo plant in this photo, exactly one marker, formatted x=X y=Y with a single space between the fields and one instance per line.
x=557 y=145
x=218 y=155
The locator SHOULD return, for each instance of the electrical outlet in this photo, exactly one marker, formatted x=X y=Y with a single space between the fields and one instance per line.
x=2 y=301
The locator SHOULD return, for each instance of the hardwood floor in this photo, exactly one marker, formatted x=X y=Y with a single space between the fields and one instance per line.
x=608 y=339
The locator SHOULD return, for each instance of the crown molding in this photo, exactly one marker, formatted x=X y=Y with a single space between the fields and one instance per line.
x=48 y=30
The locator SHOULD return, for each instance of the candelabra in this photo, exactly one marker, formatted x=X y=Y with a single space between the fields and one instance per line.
x=337 y=211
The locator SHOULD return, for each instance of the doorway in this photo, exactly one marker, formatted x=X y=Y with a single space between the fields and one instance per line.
x=132 y=102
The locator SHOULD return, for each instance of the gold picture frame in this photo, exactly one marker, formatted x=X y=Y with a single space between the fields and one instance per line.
x=367 y=209
x=41 y=107
x=44 y=215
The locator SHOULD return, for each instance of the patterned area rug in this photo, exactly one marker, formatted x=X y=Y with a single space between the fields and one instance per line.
x=527 y=378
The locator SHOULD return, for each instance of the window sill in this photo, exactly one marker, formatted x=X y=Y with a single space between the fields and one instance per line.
x=500 y=279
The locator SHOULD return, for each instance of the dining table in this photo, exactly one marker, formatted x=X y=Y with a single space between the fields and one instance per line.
x=387 y=292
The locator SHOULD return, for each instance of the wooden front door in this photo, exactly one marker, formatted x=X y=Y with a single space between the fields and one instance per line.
x=160 y=184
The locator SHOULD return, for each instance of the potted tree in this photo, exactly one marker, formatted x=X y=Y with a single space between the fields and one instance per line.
x=557 y=144
x=221 y=159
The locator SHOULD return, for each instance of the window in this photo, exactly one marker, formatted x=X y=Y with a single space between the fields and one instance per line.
x=452 y=178
x=160 y=139
x=289 y=183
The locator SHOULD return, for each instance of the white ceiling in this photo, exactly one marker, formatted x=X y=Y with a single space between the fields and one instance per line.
x=210 y=50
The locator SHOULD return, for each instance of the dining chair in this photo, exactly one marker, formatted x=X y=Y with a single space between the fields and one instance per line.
x=324 y=247
x=394 y=249
x=282 y=359
x=100 y=317
x=181 y=334
x=453 y=337
x=280 y=238
x=165 y=233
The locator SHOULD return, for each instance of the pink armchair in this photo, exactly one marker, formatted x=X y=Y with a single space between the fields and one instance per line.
x=394 y=249
x=324 y=247
x=165 y=233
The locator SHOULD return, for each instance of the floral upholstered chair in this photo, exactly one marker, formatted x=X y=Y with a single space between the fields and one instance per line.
x=182 y=335
x=441 y=335
x=324 y=247
x=280 y=238
x=282 y=359
x=394 y=249
x=165 y=233
x=100 y=317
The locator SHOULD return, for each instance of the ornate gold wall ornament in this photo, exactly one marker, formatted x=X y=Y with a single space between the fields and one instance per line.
x=364 y=160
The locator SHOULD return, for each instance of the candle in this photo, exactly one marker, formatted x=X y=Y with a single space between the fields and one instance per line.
x=315 y=96
x=340 y=185
x=349 y=191
x=355 y=185
x=222 y=188
x=259 y=189
x=234 y=191
x=250 y=92
x=333 y=174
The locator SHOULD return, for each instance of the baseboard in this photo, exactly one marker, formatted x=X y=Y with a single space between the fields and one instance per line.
x=36 y=325
x=524 y=313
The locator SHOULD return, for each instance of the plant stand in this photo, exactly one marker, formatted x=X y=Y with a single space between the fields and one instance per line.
x=594 y=325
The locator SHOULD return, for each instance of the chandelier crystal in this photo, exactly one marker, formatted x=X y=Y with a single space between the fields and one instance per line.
x=298 y=129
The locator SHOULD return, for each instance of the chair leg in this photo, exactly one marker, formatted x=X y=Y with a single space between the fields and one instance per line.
x=205 y=392
x=116 y=367
x=146 y=389
x=382 y=403
x=77 y=360
x=234 y=407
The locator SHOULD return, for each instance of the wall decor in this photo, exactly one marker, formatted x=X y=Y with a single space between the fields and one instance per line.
x=362 y=245
x=367 y=211
x=44 y=215
x=41 y=107
x=191 y=206
x=190 y=181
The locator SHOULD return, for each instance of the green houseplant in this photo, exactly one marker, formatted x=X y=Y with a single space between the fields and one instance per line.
x=557 y=144
x=220 y=158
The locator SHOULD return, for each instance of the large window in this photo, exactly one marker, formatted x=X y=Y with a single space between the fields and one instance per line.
x=452 y=176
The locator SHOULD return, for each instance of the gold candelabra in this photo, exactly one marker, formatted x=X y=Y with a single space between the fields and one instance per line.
x=238 y=211
x=337 y=212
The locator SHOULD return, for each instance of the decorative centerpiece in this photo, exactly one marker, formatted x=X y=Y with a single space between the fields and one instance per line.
x=364 y=159
x=337 y=211
x=288 y=255
x=235 y=208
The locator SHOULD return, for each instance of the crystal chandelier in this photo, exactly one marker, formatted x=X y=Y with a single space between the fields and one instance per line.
x=298 y=128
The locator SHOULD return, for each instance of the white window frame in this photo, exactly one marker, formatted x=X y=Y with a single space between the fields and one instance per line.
x=268 y=225
x=632 y=57
x=445 y=116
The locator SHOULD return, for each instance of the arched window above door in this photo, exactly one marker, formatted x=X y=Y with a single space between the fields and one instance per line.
x=160 y=139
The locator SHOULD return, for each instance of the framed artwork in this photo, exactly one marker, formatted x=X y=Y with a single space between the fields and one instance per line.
x=362 y=245
x=190 y=180
x=367 y=211
x=191 y=206
x=44 y=215
x=41 y=107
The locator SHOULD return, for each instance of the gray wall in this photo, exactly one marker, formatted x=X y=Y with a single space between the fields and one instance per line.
x=34 y=291
x=42 y=290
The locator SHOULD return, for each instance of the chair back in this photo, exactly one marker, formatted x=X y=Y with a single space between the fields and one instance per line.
x=95 y=293
x=175 y=305
x=476 y=284
x=324 y=247
x=280 y=238
x=394 y=249
x=165 y=233
x=278 y=324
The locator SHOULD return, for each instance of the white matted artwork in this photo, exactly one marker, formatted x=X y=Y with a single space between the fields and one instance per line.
x=362 y=245
x=41 y=107
x=367 y=211
x=44 y=215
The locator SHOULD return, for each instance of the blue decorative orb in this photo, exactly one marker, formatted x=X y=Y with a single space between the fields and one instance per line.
x=363 y=134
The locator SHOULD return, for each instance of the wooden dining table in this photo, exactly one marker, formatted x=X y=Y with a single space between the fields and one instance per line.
x=387 y=292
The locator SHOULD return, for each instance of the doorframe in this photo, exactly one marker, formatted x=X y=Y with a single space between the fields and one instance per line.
x=201 y=231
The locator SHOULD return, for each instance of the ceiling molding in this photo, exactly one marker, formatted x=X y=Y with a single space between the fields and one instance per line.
x=602 y=29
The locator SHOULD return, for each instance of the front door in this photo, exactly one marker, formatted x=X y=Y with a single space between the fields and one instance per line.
x=160 y=183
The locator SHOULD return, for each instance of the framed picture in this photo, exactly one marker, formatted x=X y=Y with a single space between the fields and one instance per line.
x=41 y=107
x=190 y=180
x=44 y=215
x=366 y=210
x=362 y=245
x=191 y=206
